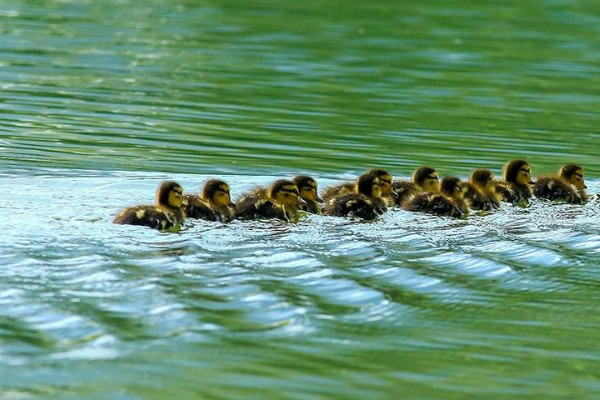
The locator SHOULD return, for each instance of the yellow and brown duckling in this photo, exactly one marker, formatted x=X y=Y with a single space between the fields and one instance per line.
x=481 y=190
x=365 y=202
x=425 y=179
x=166 y=214
x=516 y=184
x=281 y=201
x=308 y=190
x=449 y=201
x=214 y=204
x=388 y=195
x=567 y=186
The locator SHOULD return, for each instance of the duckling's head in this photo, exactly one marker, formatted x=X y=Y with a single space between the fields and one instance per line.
x=368 y=185
x=518 y=171
x=385 y=180
x=284 y=192
x=573 y=174
x=482 y=178
x=307 y=187
x=427 y=179
x=452 y=187
x=217 y=193
x=169 y=194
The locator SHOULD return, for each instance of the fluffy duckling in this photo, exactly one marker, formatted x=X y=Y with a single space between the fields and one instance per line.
x=450 y=201
x=567 y=186
x=166 y=214
x=481 y=191
x=282 y=201
x=365 y=202
x=515 y=188
x=308 y=189
x=214 y=204
x=424 y=179
x=388 y=194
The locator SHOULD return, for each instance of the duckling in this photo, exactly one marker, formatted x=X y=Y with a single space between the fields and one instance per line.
x=282 y=201
x=213 y=205
x=365 y=202
x=567 y=186
x=450 y=201
x=481 y=191
x=424 y=179
x=388 y=194
x=166 y=214
x=308 y=189
x=515 y=186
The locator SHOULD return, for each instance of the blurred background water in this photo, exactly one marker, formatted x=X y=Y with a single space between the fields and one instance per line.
x=101 y=100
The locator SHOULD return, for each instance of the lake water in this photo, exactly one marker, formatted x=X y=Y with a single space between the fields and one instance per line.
x=101 y=100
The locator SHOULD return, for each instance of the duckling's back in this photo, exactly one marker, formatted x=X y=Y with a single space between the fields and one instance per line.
x=435 y=204
x=336 y=191
x=351 y=205
x=150 y=216
x=556 y=189
x=198 y=209
x=404 y=190
x=512 y=193
x=478 y=199
x=256 y=207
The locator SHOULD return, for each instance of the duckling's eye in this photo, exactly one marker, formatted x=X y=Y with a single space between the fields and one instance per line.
x=435 y=178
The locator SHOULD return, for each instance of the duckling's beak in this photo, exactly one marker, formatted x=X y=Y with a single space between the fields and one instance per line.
x=393 y=192
x=184 y=201
x=531 y=182
x=301 y=202
x=232 y=205
x=584 y=186
x=319 y=199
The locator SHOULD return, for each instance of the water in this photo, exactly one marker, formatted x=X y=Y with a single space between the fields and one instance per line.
x=102 y=100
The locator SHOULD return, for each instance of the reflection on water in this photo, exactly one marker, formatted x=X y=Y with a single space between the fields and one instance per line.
x=395 y=300
x=502 y=304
